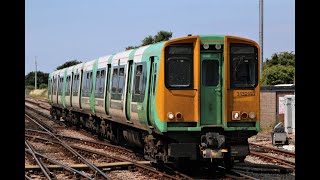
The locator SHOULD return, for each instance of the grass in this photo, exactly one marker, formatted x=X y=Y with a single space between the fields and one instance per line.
x=39 y=93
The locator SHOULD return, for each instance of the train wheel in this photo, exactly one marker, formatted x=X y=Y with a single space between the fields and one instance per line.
x=149 y=148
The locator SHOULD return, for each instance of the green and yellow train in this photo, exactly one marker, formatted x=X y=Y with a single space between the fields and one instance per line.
x=194 y=98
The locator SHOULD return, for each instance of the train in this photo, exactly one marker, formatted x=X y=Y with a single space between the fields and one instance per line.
x=194 y=98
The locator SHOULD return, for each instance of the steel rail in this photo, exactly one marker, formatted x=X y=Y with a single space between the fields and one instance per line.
x=81 y=158
x=62 y=165
x=127 y=160
x=288 y=153
x=45 y=171
x=50 y=129
x=116 y=158
x=282 y=161
x=82 y=140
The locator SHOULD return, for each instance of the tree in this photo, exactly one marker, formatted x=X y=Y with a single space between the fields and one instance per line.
x=160 y=36
x=280 y=69
x=68 y=64
x=42 y=78
x=147 y=40
x=131 y=47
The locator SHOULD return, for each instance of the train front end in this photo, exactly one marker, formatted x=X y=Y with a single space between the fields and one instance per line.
x=209 y=102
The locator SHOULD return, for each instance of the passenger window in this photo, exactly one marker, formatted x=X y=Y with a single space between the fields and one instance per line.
x=138 y=82
x=114 y=80
x=210 y=73
x=155 y=77
x=121 y=81
x=97 y=82
x=102 y=79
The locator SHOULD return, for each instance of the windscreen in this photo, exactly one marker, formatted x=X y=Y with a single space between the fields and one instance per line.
x=243 y=66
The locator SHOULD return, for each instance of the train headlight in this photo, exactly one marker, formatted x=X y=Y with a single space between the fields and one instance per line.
x=252 y=115
x=170 y=115
x=235 y=115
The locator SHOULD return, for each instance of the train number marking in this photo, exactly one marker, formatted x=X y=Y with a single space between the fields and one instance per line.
x=245 y=94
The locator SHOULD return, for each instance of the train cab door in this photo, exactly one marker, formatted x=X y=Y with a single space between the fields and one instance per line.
x=210 y=87
x=151 y=89
x=52 y=88
x=107 y=89
x=129 y=92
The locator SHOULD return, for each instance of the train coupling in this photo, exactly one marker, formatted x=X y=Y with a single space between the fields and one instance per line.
x=212 y=145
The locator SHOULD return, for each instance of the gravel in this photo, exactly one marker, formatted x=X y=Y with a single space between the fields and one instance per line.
x=75 y=134
x=128 y=175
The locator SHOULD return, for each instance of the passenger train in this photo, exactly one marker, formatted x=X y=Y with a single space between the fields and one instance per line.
x=194 y=98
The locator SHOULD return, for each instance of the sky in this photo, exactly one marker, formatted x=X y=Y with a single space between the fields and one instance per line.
x=59 y=31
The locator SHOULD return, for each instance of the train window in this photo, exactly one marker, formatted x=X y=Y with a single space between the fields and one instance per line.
x=121 y=81
x=84 y=84
x=243 y=66
x=90 y=83
x=179 y=66
x=99 y=87
x=102 y=80
x=114 y=80
x=179 y=72
x=140 y=79
x=138 y=83
x=75 y=85
x=87 y=84
x=66 y=88
x=210 y=72
x=154 y=78
x=54 y=86
x=59 y=87
x=96 y=89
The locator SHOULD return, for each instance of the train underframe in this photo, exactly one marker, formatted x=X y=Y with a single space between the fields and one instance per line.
x=212 y=146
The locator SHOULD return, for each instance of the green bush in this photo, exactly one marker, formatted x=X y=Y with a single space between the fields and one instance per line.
x=43 y=86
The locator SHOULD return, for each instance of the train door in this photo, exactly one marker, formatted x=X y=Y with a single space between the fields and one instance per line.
x=151 y=89
x=210 y=88
x=52 y=88
x=71 y=87
x=107 y=88
x=80 y=89
x=58 y=88
x=128 y=94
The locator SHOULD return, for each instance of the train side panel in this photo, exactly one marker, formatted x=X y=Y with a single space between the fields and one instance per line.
x=118 y=76
x=88 y=83
x=100 y=86
x=76 y=86
x=68 y=86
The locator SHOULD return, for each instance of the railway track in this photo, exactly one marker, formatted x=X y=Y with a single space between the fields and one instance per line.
x=88 y=151
x=272 y=150
x=90 y=148
x=71 y=150
x=256 y=150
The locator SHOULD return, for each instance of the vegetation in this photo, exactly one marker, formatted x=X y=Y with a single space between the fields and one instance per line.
x=280 y=69
x=43 y=86
x=68 y=64
x=160 y=36
x=42 y=78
